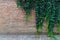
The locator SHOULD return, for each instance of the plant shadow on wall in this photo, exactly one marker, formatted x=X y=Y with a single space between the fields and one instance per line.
x=48 y=10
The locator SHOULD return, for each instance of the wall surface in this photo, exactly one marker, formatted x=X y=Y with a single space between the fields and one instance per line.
x=12 y=19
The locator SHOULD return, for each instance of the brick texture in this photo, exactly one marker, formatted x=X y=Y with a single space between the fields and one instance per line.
x=12 y=19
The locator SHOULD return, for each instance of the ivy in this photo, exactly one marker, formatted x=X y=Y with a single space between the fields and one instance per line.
x=26 y=5
x=48 y=10
x=40 y=14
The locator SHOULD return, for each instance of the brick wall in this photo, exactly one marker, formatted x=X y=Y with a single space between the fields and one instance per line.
x=12 y=19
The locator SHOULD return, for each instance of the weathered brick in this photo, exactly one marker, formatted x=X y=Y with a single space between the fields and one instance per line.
x=12 y=19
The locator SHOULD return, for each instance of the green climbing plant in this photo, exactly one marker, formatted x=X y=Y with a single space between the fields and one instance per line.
x=40 y=14
x=26 y=5
x=48 y=10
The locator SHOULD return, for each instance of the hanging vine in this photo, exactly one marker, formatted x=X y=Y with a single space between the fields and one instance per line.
x=26 y=5
x=44 y=9
x=40 y=14
x=58 y=16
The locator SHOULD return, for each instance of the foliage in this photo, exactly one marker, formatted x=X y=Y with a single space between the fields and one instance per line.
x=40 y=14
x=26 y=5
x=44 y=9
